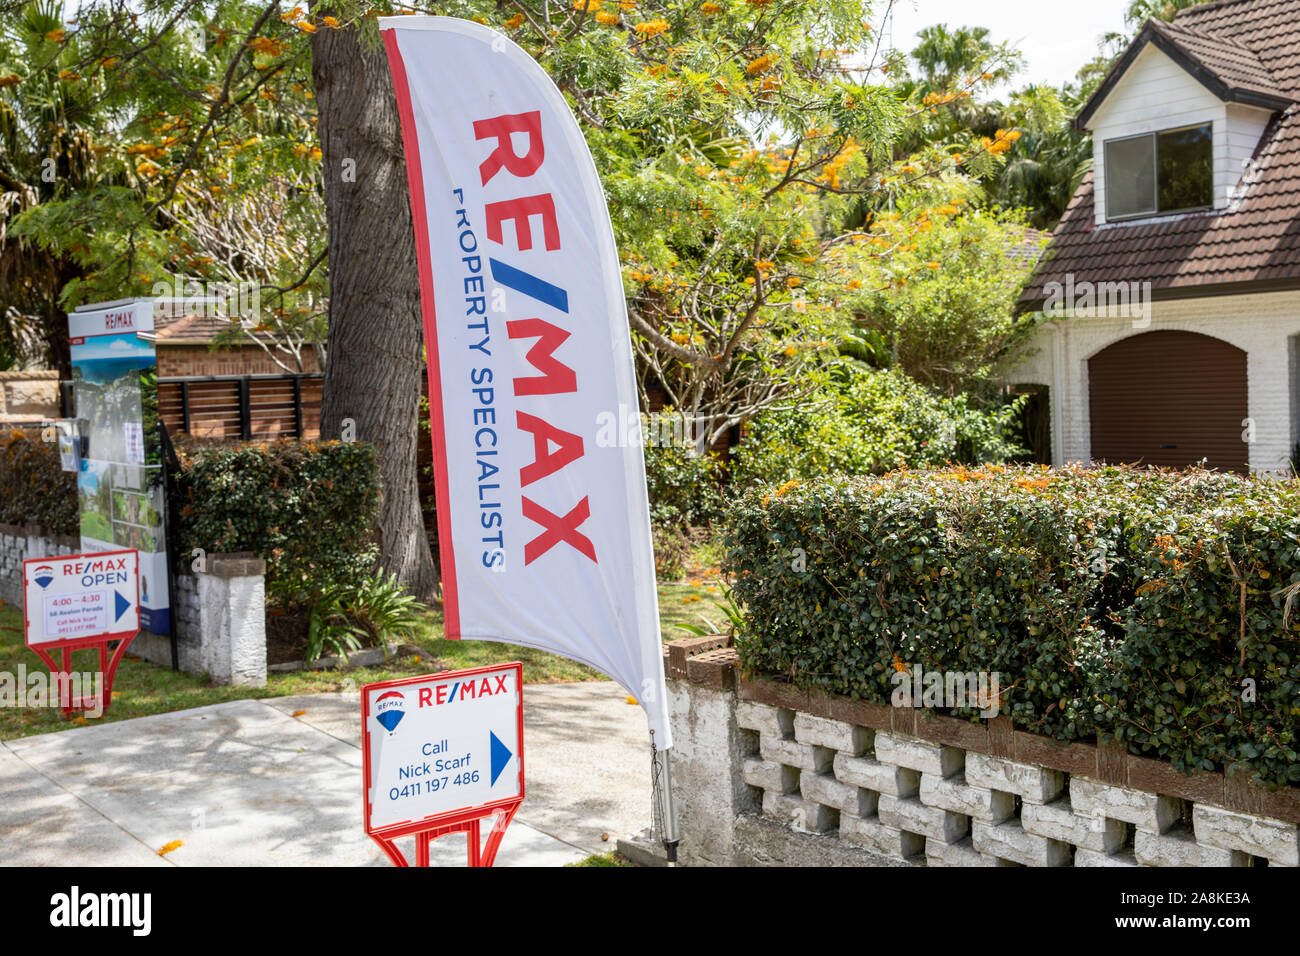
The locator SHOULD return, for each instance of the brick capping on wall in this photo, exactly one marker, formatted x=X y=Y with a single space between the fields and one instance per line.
x=712 y=662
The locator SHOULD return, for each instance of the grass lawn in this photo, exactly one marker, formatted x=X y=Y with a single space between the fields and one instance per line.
x=603 y=859
x=690 y=602
x=141 y=688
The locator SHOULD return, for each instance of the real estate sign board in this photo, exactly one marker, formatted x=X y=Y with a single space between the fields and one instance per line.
x=120 y=482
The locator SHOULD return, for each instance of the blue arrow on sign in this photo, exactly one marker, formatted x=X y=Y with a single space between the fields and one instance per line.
x=122 y=604
x=500 y=757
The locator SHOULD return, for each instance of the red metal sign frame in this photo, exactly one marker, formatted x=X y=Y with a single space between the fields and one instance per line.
x=467 y=820
x=107 y=665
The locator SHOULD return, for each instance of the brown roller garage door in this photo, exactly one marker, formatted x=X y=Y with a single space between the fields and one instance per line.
x=1169 y=398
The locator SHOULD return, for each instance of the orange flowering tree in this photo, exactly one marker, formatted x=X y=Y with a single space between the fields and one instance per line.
x=746 y=148
x=168 y=149
x=943 y=304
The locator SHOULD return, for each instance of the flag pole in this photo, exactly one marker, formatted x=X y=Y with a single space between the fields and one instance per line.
x=665 y=803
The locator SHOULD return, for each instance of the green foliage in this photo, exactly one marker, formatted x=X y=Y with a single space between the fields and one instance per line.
x=1047 y=158
x=34 y=488
x=945 y=301
x=307 y=508
x=382 y=607
x=877 y=421
x=374 y=609
x=1139 y=11
x=330 y=629
x=1046 y=164
x=946 y=56
x=741 y=146
x=731 y=614
x=1139 y=606
x=672 y=545
x=121 y=171
x=684 y=487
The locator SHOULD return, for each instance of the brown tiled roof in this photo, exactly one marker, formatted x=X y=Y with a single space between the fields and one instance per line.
x=1231 y=65
x=189 y=328
x=1255 y=241
x=1235 y=64
x=1270 y=28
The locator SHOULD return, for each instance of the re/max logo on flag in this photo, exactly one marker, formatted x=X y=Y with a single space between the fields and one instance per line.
x=463 y=690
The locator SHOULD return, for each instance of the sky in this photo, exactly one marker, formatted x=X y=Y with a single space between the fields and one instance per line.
x=1055 y=38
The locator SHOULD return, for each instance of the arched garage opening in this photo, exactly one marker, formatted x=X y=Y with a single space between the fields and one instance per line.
x=1169 y=398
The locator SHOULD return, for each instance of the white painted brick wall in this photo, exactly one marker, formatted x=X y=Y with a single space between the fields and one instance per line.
x=961 y=853
x=919 y=755
x=1179 y=848
x=870 y=833
x=767 y=775
x=14 y=550
x=824 y=788
x=1084 y=857
x=1010 y=841
x=978 y=803
x=1263 y=325
x=871 y=774
x=765 y=719
x=910 y=814
x=832 y=734
x=794 y=754
x=800 y=815
x=1058 y=821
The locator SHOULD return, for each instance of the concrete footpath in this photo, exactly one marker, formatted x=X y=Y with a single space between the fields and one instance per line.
x=246 y=783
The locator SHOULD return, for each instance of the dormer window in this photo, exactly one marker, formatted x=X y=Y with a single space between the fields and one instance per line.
x=1155 y=174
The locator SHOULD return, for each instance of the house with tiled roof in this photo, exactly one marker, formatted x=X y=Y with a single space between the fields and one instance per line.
x=187 y=332
x=1172 y=283
x=212 y=388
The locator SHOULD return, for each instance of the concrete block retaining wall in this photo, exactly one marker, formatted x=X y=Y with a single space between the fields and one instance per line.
x=20 y=542
x=768 y=773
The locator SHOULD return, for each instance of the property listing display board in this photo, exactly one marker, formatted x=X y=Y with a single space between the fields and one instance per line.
x=120 y=482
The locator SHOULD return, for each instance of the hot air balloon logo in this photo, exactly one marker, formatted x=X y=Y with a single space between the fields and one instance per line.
x=43 y=575
x=390 y=709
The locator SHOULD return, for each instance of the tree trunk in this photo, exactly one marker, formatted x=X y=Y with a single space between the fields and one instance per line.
x=374 y=361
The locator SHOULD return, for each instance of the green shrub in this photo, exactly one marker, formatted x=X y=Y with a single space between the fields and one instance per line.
x=672 y=544
x=1138 y=605
x=383 y=608
x=873 y=422
x=330 y=629
x=34 y=488
x=305 y=507
x=684 y=487
x=373 y=610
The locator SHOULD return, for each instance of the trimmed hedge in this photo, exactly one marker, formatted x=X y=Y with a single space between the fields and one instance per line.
x=34 y=488
x=1135 y=605
x=306 y=507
